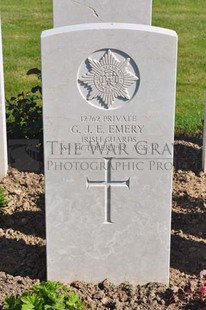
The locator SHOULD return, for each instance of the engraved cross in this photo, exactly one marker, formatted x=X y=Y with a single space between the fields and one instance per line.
x=108 y=184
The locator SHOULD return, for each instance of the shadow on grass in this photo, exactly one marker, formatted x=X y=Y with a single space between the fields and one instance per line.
x=188 y=156
x=188 y=251
x=27 y=222
x=192 y=217
x=188 y=256
x=18 y=257
x=192 y=224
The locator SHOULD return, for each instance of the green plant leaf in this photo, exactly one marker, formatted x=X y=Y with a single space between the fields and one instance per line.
x=31 y=302
x=48 y=307
x=74 y=302
x=2 y=197
x=49 y=295
x=59 y=306
x=12 y=303
x=24 y=113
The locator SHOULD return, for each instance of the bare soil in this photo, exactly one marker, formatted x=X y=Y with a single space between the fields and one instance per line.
x=23 y=245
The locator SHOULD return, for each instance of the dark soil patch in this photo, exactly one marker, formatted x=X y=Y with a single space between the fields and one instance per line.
x=23 y=253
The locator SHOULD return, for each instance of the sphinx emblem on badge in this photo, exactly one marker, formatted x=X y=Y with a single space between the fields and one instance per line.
x=110 y=81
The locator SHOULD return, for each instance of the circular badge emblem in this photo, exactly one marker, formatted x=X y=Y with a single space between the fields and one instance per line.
x=108 y=79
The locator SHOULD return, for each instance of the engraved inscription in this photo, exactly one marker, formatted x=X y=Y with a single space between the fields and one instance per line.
x=107 y=184
x=109 y=79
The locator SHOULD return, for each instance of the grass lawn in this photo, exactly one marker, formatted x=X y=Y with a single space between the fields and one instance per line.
x=187 y=17
x=23 y=21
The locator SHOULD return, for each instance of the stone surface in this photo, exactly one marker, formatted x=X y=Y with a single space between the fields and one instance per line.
x=109 y=126
x=69 y=12
x=3 y=137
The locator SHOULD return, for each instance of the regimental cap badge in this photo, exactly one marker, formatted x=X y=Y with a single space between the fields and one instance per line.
x=109 y=79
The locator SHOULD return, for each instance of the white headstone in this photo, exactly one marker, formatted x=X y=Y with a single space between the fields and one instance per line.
x=69 y=12
x=3 y=136
x=108 y=131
